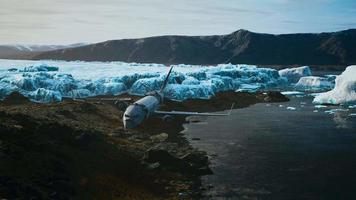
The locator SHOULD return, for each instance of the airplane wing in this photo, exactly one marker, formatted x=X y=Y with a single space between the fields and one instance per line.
x=193 y=113
x=105 y=99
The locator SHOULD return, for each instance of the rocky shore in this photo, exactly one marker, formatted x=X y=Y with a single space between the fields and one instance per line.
x=78 y=149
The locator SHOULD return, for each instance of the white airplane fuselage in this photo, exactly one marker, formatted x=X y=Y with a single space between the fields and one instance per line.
x=141 y=109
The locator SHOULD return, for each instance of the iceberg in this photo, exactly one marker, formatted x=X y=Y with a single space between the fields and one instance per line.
x=294 y=74
x=314 y=83
x=344 y=91
x=46 y=81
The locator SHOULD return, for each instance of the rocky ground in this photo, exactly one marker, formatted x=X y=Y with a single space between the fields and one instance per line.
x=78 y=149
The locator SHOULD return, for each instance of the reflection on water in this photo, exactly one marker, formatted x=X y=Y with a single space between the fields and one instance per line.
x=290 y=150
x=341 y=120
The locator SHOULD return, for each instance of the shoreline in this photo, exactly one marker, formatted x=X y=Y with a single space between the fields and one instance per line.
x=84 y=143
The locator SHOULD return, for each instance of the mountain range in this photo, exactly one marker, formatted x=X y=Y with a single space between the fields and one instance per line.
x=242 y=46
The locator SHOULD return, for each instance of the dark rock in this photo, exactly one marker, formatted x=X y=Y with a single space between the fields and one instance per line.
x=15 y=98
x=161 y=156
x=87 y=107
x=275 y=96
x=242 y=46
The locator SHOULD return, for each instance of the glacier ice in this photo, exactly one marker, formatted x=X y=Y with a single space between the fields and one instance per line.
x=344 y=91
x=45 y=81
x=294 y=74
x=314 y=83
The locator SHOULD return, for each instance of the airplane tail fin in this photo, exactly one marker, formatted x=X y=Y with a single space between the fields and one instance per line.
x=165 y=81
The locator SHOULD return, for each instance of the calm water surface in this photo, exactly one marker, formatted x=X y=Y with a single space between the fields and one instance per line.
x=269 y=151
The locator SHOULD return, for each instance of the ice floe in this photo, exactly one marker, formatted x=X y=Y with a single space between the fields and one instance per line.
x=46 y=81
x=336 y=110
x=291 y=108
x=320 y=106
x=314 y=83
x=290 y=93
x=344 y=91
x=294 y=74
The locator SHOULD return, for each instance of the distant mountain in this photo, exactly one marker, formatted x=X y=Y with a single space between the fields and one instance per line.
x=336 y=48
x=24 y=51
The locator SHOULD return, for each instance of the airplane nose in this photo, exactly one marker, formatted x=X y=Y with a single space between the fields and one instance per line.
x=127 y=121
x=129 y=124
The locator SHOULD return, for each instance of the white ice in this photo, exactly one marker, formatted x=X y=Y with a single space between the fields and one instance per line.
x=344 y=91
x=314 y=83
x=290 y=93
x=294 y=74
x=291 y=108
x=46 y=81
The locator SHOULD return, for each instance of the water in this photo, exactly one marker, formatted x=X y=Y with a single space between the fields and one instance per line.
x=267 y=151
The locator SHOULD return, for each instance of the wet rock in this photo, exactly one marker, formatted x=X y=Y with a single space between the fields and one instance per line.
x=275 y=96
x=192 y=163
x=159 y=137
x=153 y=166
x=161 y=156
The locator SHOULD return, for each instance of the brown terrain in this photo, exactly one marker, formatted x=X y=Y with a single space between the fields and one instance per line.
x=78 y=149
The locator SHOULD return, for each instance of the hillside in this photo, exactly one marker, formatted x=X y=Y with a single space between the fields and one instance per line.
x=336 y=48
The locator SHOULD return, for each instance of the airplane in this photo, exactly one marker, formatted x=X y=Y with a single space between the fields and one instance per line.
x=147 y=106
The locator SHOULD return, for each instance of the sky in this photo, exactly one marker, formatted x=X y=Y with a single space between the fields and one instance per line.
x=77 y=21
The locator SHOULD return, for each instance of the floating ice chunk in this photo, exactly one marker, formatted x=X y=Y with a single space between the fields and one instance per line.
x=352 y=114
x=291 y=108
x=332 y=111
x=294 y=74
x=315 y=111
x=352 y=106
x=290 y=93
x=248 y=88
x=314 y=83
x=320 y=106
x=344 y=91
